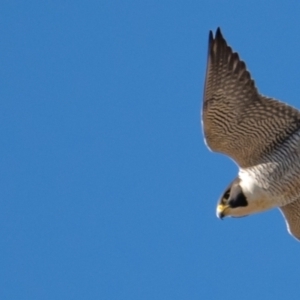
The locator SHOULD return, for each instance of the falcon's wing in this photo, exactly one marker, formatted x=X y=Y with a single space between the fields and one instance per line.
x=237 y=120
x=291 y=214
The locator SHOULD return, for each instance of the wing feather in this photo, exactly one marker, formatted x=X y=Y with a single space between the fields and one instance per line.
x=237 y=120
x=291 y=213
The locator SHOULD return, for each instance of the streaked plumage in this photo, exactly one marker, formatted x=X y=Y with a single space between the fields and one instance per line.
x=260 y=133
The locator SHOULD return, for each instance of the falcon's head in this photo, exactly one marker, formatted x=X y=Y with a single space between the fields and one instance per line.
x=238 y=201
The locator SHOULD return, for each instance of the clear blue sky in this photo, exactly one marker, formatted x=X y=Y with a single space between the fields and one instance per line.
x=107 y=190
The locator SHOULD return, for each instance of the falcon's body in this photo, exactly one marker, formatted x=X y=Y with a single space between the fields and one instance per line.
x=261 y=134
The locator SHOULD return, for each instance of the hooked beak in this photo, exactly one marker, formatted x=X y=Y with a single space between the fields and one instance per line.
x=221 y=208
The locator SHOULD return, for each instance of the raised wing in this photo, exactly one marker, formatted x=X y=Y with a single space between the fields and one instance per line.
x=237 y=120
x=291 y=214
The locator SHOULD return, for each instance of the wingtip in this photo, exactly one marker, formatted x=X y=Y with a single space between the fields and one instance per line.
x=210 y=37
x=218 y=35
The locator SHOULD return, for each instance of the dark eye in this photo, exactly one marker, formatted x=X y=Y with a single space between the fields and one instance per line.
x=226 y=194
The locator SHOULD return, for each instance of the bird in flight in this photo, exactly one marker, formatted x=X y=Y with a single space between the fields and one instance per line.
x=261 y=134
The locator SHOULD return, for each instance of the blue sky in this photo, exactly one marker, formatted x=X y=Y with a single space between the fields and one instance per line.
x=107 y=190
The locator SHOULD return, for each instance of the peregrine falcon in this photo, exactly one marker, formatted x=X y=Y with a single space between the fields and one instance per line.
x=261 y=134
